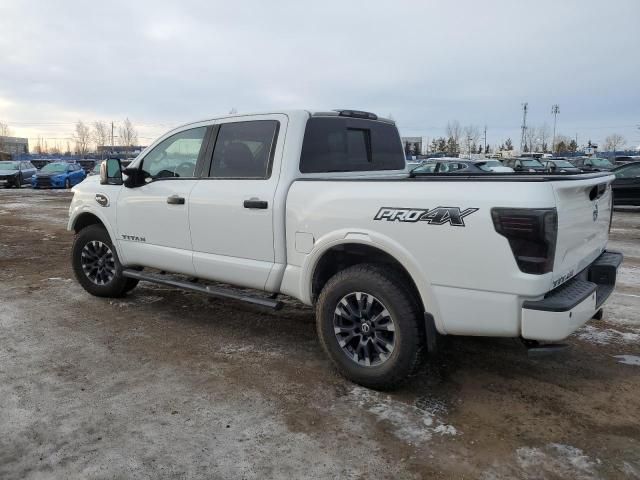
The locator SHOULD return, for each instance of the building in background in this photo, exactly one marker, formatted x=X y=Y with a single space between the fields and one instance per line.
x=120 y=150
x=14 y=145
x=412 y=146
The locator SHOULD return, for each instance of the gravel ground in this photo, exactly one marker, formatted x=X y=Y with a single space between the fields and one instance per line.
x=168 y=384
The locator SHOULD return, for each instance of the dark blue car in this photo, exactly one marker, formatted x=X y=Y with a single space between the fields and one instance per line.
x=58 y=175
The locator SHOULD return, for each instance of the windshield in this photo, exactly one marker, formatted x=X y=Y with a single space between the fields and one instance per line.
x=563 y=164
x=96 y=169
x=531 y=163
x=601 y=162
x=54 y=168
x=8 y=165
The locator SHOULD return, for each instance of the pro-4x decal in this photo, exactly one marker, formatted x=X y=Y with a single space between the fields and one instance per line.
x=435 y=216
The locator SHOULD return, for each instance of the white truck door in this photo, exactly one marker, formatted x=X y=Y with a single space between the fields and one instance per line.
x=153 y=219
x=231 y=207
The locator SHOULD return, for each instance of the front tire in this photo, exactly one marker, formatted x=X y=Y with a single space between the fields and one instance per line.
x=96 y=264
x=67 y=184
x=369 y=325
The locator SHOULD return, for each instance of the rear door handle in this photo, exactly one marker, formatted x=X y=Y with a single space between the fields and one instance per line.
x=261 y=204
x=175 y=200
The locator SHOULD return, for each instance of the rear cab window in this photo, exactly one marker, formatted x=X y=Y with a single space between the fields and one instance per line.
x=344 y=144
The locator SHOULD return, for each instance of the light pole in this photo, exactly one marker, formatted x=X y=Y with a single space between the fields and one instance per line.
x=555 y=110
x=485 y=140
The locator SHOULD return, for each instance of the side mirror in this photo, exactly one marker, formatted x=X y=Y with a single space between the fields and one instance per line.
x=111 y=172
x=136 y=177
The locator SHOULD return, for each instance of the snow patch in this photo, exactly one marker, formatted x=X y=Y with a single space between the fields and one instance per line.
x=628 y=275
x=408 y=422
x=591 y=334
x=563 y=460
x=628 y=359
x=446 y=429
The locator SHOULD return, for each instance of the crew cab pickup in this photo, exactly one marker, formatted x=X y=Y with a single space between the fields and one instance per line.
x=321 y=207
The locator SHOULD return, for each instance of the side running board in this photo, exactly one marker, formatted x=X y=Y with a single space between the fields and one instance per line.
x=208 y=290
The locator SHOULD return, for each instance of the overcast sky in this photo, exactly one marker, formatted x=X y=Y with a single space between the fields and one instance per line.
x=423 y=62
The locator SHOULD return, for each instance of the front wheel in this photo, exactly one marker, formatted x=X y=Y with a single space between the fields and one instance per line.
x=369 y=325
x=96 y=265
x=67 y=183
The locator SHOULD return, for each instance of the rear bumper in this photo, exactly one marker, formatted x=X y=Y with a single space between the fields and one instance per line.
x=566 y=308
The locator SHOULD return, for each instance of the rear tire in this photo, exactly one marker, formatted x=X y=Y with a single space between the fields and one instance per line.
x=369 y=325
x=96 y=264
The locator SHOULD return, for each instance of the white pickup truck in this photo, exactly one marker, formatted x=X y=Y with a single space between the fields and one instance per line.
x=320 y=206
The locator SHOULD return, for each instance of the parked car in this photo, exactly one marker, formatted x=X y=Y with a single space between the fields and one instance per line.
x=319 y=206
x=58 y=175
x=453 y=165
x=626 y=186
x=531 y=165
x=592 y=164
x=623 y=159
x=560 y=165
x=494 y=166
x=15 y=173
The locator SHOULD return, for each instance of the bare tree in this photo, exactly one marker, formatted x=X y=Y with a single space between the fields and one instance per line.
x=471 y=135
x=38 y=147
x=82 y=137
x=128 y=134
x=5 y=131
x=613 y=142
x=531 y=138
x=454 y=131
x=544 y=132
x=100 y=134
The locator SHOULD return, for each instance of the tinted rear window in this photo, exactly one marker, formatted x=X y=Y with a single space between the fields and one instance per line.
x=338 y=144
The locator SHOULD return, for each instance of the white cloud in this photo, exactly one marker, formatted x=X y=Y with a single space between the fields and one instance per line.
x=424 y=62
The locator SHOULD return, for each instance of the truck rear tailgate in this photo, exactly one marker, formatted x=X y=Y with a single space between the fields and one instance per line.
x=584 y=213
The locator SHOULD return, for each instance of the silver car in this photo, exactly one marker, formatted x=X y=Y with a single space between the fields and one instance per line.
x=15 y=173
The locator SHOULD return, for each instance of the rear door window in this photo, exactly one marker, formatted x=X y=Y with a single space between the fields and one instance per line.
x=245 y=149
x=339 y=144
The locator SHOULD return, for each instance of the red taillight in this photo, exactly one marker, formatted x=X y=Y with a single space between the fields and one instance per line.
x=532 y=234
